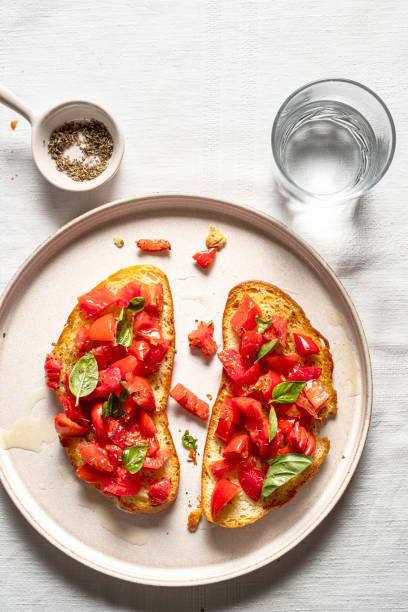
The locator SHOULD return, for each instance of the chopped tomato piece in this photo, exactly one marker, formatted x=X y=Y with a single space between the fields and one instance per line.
x=115 y=431
x=65 y=427
x=285 y=450
x=122 y=482
x=245 y=316
x=250 y=407
x=53 y=367
x=146 y=425
x=98 y=422
x=304 y=373
x=153 y=295
x=259 y=433
x=251 y=482
x=249 y=378
x=103 y=328
x=141 y=392
x=237 y=448
x=140 y=349
x=82 y=339
x=281 y=363
x=145 y=244
x=159 y=491
x=285 y=425
x=303 y=402
x=251 y=340
x=229 y=417
x=224 y=492
x=222 y=467
x=89 y=474
x=96 y=456
x=114 y=453
x=278 y=329
x=305 y=345
x=147 y=325
x=73 y=412
x=205 y=258
x=316 y=394
x=203 y=338
x=104 y=355
x=301 y=439
x=96 y=301
x=266 y=384
x=232 y=362
x=127 y=365
x=154 y=446
x=109 y=382
x=127 y=293
x=188 y=400
x=155 y=357
x=156 y=462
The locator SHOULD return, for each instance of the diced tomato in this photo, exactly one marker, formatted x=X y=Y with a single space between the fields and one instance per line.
x=65 y=427
x=203 y=338
x=259 y=433
x=229 y=417
x=222 y=467
x=140 y=349
x=301 y=439
x=73 y=412
x=141 y=392
x=122 y=482
x=289 y=411
x=130 y=407
x=127 y=293
x=245 y=316
x=232 y=362
x=115 y=431
x=53 y=367
x=281 y=363
x=224 y=492
x=205 y=258
x=82 y=339
x=316 y=394
x=153 y=295
x=250 y=408
x=104 y=355
x=251 y=340
x=154 y=446
x=114 y=453
x=159 y=491
x=145 y=244
x=303 y=402
x=98 y=422
x=109 y=382
x=285 y=450
x=278 y=329
x=154 y=359
x=188 y=400
x=156 y=462
x=146 y=425
x=127 y=365
x=304 y=373
x=243 y=384
x=96 y=456
x=266 y=384
x=251 y=482
x=285 y=425
x=103 y=328
x=237 y=448
x=305 y=345
x=96 y=301
x=147 y=325
x=88 y=474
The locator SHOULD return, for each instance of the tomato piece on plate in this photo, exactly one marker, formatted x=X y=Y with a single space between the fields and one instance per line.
x=82 y=339
x=245 y=316
x=188 y=400
x=278 y=329
x=281 y=363
x=203 y=338
x=98 y=422
x=154 y=359
x=303 y=402
x=251 y=341
x=250 y=407
x=229 y=418
x=224 y=492
x=233 y=364
x=304 y=373
x=159 y=491
x=114 y=453
x=65 y=427
x=259 y=433
x=146 y=425
x=103 y=328
x=141 y=392
x=73 y=412
x=205 y=258
x=89 y=474
x=122 y=482
x=237 y=448
x=251 y=482
x=154 y=446
x=316 y=394
x=96 y=456
x=243 y=384
x=266 y=384
x=145 y=244
x=128 y=292
x=153 y=295
x=301 y=439
x=95 y=302
x=157 y=461
x=115 y=431
x=222 y=467
x=127 y=365
x=147 y=325
x=305 y=345
x=140 y=349
x=109 y=382
x=52 y=367
x=285 y=425
x=104 y=355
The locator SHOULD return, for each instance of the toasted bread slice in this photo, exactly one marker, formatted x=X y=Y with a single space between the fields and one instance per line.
x=160 y=383
x=242 y=510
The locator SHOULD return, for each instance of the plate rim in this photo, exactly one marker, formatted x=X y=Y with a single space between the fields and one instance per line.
x=367 y=374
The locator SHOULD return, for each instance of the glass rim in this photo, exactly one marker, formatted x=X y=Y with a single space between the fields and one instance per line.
x=334 y=80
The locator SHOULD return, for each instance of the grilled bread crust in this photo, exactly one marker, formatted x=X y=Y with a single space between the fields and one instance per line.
x=243 y=510
x=160 y=383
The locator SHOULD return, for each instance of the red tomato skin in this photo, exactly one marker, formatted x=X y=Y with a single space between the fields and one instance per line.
x=122 y=482
x=89 y=474
x=103 y=328
x=146 y=425
x=114 y=453
x=205 y=258
x=249 y=407
x=237 y=448
x=303 y=403
x=259 y=433
x=304 y=373
x=98 y=422
x=281 y=363
x=301 y=439
x=266 y=384
x=188 y=400
x=245 y=316
x=96 y=456
x=82 y=339
x=157 y=461
x=222 y=467
x=243 y=384
x=53 y=367
x=73 y=412
x=233 y=364
x=285 y=425
x=251 y=341
x=203 y=338
x=151 y=246
x=104 y=355
x=153 y=361
x=65 y=427
x=109 y=382
x=154 y=446
x=251 y=482
x=224 y=492
x=153 y=295
x=147 y=326
x=95 y=302
x=126 y=365
x=159 y=491
x=140 y=349
x=127 y=293
x=305 y=345
x=278 y=329
x=229 y=418
x=141 y=392
x=316 y=394
x=115 y=432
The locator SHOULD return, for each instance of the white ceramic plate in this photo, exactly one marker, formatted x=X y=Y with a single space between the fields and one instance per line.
x=34 y=308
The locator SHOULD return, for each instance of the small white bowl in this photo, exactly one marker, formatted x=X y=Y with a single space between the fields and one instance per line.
x=43 y=124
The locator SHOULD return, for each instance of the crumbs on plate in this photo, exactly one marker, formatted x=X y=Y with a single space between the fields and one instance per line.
x=118 y=242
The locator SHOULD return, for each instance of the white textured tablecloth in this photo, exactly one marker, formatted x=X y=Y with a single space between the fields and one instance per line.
x=196 y=86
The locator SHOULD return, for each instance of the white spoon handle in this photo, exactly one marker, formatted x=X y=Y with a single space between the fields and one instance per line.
x=8 y=98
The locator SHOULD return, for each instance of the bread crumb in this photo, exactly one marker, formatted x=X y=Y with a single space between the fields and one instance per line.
x=117 y=241
x=192 y=455
x=13 y=124
x=194 y=518
x=215 y=239
x=209 y=396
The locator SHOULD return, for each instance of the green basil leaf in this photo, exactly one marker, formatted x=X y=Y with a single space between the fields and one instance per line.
x=188 y=441
x=84 y=376
x=287 y=392
x=273 y=423
x=134 y=457
x=263 y=324
x=136 y=304
x=124 y=334
x=124 y=395
x=112 y=407
x=266 y=348
x=283 y=468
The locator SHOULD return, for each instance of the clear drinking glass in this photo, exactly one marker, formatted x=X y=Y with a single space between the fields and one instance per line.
x=332 y=140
